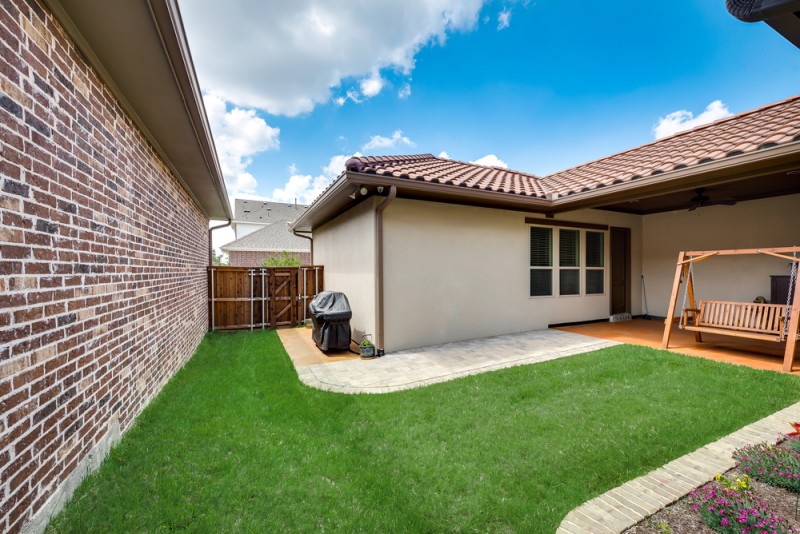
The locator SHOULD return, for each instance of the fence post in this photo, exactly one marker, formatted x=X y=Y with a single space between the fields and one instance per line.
x=212 y=299
x=305 y=292
x=263 y=302
x=250 y=273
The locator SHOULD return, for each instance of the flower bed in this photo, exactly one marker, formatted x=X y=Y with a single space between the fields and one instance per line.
x=731 y=507
x=759 y=496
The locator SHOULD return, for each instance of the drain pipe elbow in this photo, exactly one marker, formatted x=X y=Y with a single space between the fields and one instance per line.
x=379 y=267
x=210 y=245
x=310 y=239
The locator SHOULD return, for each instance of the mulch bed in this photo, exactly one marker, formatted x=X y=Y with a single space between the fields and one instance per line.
x=679 y=518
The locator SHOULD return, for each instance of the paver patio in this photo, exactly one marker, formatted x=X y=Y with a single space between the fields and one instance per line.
x=413 y=368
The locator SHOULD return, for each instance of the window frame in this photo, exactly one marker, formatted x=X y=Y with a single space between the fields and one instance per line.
x=550 y=268
x=595 y=268
x=582 y=253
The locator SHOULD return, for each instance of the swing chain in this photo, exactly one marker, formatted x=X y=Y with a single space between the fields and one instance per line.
x=792 y=281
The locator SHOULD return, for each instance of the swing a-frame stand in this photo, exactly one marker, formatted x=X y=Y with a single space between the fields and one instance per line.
x=770 y=322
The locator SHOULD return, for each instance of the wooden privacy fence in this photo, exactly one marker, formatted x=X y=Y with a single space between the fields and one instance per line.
x=269 y=297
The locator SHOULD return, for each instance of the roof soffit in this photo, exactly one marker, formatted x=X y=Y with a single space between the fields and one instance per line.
x=140 y=51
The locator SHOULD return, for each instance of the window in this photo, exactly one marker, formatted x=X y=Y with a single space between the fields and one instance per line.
x=569 y=256
x=595 y=263
x=572 y=258
x=541 y=262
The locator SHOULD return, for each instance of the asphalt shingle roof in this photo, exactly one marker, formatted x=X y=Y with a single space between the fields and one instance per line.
x=263 y=212
x=276 y=237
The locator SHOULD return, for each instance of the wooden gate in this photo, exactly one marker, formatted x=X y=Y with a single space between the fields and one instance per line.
x=269 y=297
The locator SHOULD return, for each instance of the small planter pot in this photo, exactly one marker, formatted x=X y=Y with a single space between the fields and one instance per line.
x=368 y=351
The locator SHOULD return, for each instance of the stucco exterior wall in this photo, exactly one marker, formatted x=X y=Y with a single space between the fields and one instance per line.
x=772 y=222
x=346 y=247
x=457 y=272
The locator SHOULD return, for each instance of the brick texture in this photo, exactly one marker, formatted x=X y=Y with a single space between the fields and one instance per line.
x=102 y=263
x=249 y=258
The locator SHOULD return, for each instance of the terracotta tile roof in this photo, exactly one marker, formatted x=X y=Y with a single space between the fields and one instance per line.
x=429 y=168
x=772 y=125
x=765 y=127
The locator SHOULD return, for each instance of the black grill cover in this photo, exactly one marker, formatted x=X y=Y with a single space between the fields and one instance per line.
x=330 y=317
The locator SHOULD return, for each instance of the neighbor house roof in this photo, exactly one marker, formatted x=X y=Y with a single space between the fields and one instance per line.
x=274 y=238
x=140 y=51
x=725 y=150
x=264 y=212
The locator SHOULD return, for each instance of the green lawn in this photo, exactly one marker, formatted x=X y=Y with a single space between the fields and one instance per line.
x=235 y=443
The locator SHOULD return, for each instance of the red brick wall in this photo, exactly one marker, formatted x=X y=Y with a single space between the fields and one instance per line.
x=240 y=258
x=102 y=264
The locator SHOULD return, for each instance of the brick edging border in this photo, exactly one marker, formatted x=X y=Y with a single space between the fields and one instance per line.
x=626 y=505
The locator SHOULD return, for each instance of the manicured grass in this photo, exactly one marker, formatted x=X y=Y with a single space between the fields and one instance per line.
x=235 y=443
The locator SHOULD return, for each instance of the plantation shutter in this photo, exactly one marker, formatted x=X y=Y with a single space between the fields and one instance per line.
x=569 y=281
x=595 y=254
x=594 y=281
x=541 y=282
x=568 y=248
x=541 y=247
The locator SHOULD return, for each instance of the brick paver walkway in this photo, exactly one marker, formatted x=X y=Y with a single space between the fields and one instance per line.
x=438 y=363
x=628 y=504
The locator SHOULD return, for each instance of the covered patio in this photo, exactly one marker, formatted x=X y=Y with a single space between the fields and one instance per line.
x=753 y=353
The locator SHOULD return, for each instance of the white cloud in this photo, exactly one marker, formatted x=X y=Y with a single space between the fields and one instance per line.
x=303 y=188
x=373 y=85
x=503 y=19
x=444 y=155
x=306 y=188
x=286 y=57
x=381 y=142
x=404 y=91
x=490 y=160
x=239 y=134
x=681 y=120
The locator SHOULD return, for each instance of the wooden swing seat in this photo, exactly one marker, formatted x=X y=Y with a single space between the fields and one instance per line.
x=740 y=319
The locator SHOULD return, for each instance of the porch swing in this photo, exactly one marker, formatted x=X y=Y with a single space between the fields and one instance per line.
x=768 y=322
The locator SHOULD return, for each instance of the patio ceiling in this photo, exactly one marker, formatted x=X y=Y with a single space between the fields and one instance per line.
x=761 y=186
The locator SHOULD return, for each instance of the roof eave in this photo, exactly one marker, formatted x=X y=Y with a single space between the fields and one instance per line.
x=115 y=37
x=336 y=200
x=731 y=169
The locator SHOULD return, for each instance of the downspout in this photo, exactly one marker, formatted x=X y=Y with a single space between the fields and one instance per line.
x=379 y=268
x=310 y=239
x=210 y=246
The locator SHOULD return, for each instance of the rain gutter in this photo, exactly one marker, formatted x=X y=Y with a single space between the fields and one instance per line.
x=210 y=246
x=379 y=267
x=311 y=239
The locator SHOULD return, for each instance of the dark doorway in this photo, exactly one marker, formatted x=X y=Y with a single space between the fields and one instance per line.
x=620 y=270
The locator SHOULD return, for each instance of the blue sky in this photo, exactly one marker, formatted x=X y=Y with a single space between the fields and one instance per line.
x=541 y=85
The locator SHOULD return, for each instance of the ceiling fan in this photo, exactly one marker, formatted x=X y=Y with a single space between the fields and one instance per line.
x=701 y=200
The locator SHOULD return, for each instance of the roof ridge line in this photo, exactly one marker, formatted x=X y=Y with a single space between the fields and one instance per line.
x=678 y=134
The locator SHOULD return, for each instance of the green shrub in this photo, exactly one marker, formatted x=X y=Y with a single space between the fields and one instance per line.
x=284 y=260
